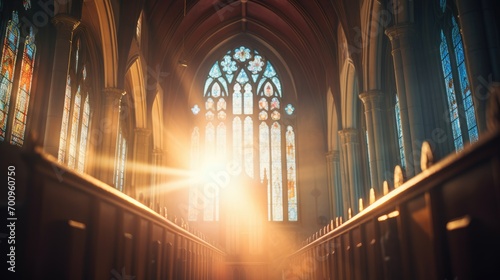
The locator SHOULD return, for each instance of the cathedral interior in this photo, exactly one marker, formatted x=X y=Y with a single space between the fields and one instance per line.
x=250 y=139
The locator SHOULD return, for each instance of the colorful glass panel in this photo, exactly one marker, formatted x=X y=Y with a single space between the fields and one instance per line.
x=275 y=115
x=242 y=54
x=209 y=141
x=464 y=83
x=82 y=152
x=242 y=77
x=221 y=104
x=289 y=109
x=121 y=159
x=216 y=90
x=23 y=95
x=210 y=104
x=275 y=103
x=63 y=138
x=221 y=141
x=9 y=56
x=228 y=65
x=248 y=100
x=268 y=90
x=237 y=100
x=263 y=116
x=248 y=146
x=255 y=65
x=291 y=174
x=450 y=91
x=221 y=115
x=253 y=75
x=263 y=104
x=75 y=128
x=399 y=128
x=276 y=178
x=237 y=141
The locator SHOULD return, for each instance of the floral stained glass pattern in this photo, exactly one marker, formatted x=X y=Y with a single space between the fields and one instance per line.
x=254 y=128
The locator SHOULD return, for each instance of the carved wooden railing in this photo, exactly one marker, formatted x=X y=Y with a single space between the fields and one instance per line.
x=72 y=226
x=442 y=224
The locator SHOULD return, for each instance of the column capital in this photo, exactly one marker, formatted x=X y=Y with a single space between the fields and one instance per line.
x=333 y=155
x=349 y=135
x=371 y=96
x=113 y=94
x=65 y=22
x=158 y=151
x=398 y=30
x=140 y=131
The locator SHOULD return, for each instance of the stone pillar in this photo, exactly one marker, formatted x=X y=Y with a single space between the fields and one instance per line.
x=481 y=52
x=334 y=183
x=352 y=188
x=141 y=174
x=65 y=26
x=379 y=166
x=110 y=123
x=407 y=83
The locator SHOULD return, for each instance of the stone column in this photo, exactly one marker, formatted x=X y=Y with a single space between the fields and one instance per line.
x=65 y=26
x=372 y=101
x=352 y=188
x=481 y=50
x=110 y=122
x=141 y=174
x=334 y=183
x=407 y=83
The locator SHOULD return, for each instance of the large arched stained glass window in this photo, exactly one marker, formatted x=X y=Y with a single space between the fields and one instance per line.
x=75 y=123
x=458 y=92
x=24 y=91
x=14 y=103
x=9 y=56
x=245 y=123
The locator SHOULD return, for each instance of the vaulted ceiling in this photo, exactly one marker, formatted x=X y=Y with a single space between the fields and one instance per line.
x=303 y=32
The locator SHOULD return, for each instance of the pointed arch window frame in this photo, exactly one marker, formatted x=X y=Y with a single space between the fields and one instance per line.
x=77 y=111
x=17 y=70
x=245 y=77
x=456 y=81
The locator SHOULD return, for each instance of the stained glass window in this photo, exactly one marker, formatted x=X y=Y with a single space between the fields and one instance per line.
x=9 y=55
x=65 y=122
x=75 y=123
x=464 y=82
x=138 y=28
x=75 y=128
x=291 y=174
x=458 y=92
x=23 y=94
x=260 y=144
x=399 y=129
x=120 y=161
x=82 y=153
